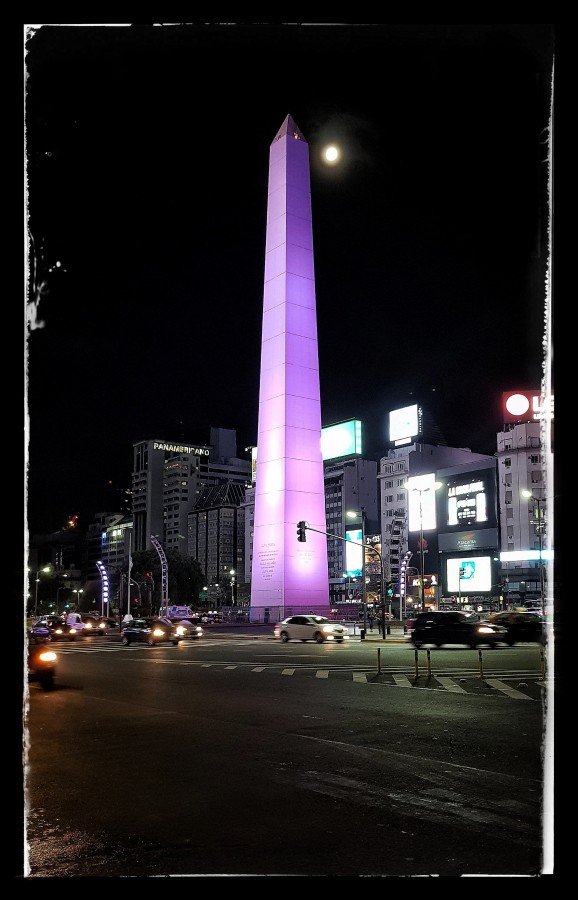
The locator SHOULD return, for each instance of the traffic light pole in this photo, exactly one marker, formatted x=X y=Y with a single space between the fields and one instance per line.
x=303 y=526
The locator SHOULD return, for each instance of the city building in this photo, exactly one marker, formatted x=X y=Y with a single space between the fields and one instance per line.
x=401 y=464
x=168 y=479
x=216 y=539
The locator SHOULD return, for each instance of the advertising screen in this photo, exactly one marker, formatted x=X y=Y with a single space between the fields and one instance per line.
x=342 y=439
x=469 y=575
x=404 y=424
x=353 y=553
x=470 y=501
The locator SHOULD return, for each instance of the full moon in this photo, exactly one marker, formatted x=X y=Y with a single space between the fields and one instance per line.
x=331 y=154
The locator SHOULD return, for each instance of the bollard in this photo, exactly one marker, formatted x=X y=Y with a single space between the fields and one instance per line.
x=481 y=664
x=428 y=654
x=388 y=629
x=379 y=660
x=416 y=663
x=362 y=634
x=542 y=664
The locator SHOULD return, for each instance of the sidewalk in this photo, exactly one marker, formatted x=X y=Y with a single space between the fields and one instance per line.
x=396 y=634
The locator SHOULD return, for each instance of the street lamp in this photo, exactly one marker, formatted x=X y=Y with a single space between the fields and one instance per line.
x=45 y=569
x=232 y=574
x=78 y=592
x=421 y=491
x=540 y=524
x=356 y=515
x=63 y=587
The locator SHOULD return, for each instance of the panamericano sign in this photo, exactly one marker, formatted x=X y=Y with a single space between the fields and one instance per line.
x=180 y=448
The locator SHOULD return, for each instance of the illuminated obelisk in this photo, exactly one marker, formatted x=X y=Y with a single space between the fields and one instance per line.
x=287 y=575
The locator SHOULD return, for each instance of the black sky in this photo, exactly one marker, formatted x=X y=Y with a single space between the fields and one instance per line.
x=147 y=153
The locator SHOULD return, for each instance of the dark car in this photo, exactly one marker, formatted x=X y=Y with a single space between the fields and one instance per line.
x=58 y=628
x=42 y=659
x=521 y=626
x=150 y=630
x=95 y=625
x=449 y=627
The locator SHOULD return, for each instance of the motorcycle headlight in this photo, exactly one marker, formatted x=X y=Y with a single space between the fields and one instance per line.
x=48 y=656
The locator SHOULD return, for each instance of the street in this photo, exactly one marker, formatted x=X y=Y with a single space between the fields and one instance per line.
x=240 y=756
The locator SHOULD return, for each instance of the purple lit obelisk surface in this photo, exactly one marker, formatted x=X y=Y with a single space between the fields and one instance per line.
x=289 y=576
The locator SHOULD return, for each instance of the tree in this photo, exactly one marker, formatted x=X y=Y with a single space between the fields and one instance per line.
x=185 y=578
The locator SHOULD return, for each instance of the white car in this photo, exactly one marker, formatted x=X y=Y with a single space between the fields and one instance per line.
x=311 y=628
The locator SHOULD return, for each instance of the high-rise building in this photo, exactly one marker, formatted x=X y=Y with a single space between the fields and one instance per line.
x=289 y=574
x=168 y=478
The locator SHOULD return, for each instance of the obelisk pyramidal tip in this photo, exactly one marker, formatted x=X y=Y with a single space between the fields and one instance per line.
x=289 y=575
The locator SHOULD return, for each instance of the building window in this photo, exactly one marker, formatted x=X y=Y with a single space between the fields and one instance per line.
x=508 y=462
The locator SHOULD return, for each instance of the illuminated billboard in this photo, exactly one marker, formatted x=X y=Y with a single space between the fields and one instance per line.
x=353 y=553
x=405 y=424
x=421 y=503
x=342 y=439
x=468 y=499
x=527 y=406
x=469 y=575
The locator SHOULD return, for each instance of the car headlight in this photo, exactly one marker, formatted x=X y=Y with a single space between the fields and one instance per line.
x=158 y=632
x=88 y=625
x=58 y=631
x=48 y=656
x=72 y=631
x=485 y=629
x=327 y=629
x=181 y=630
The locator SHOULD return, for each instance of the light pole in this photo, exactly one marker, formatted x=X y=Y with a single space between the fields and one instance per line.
x=356 y=515
x=421 y=491
x=539 y=523
x=63 y=587
x=78 y=592
x=45 y=569
x=232 y=574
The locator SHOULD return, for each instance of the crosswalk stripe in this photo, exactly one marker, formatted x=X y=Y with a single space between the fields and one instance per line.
x=506 y=689
x=360 y=676
x=450 y=685
x=402 y=681
x=322 y=673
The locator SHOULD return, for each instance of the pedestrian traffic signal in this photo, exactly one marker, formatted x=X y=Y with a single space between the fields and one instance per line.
x=301 y=526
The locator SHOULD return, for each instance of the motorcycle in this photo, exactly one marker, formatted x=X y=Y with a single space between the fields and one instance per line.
x=42 y=661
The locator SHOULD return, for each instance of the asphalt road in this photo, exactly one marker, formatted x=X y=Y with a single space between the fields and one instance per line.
x=239 y=756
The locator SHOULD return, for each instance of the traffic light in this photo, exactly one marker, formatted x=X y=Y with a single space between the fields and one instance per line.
x=301 y=536
x=148 y=574
x=389 y=588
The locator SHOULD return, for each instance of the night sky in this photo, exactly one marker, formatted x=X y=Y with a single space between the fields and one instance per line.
x=146 y=154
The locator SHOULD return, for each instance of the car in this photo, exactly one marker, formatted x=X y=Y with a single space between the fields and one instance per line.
x=150 y=630
x=189 y=629
x=95 y=625
x=310 y=628
x=42 y=660
x=449 y=627
x=525 y=627
x=58 y=628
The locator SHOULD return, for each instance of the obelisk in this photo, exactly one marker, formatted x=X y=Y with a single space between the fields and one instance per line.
x=289 y=576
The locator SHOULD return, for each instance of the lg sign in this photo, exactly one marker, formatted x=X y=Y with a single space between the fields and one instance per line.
x=527 y=406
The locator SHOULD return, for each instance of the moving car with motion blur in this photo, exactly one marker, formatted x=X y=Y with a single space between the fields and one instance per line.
x=58 y=627
x=151 y=630
x=450 y=627
x=521 y=626
x=95 y=625
x=42 y=659
x=311 y=628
